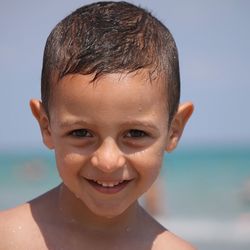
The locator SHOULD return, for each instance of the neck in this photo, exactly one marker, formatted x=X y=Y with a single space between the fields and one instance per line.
x=74 y=211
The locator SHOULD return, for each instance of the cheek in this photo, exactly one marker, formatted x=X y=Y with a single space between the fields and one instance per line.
x=68 y=163
x=148 y=167
x=149 y=162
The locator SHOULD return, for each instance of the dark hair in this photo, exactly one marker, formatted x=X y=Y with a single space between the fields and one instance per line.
x=111 y=37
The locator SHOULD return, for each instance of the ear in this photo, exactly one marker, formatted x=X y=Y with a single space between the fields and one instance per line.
x=177 y=125
x=43 y=121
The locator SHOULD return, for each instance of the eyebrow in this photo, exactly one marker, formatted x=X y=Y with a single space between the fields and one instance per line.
x=147 y=124
x=69 y=123
x=82 y=123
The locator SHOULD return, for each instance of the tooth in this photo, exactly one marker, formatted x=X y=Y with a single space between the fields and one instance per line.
x=108 y=184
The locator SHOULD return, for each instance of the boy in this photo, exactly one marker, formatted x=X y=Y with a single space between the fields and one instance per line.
x=109 y=110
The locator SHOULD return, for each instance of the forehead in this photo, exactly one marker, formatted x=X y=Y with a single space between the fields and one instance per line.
x=119 y=91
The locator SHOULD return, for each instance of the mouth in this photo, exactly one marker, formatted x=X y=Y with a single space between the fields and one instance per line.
x=108 y=187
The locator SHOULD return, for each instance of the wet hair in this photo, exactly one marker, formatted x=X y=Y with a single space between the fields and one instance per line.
x=111 y=37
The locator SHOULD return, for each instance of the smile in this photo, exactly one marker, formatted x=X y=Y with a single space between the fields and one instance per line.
x=108 y=187
x=108 y=184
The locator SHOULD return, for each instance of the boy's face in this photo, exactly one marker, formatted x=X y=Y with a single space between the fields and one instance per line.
x=109 y=137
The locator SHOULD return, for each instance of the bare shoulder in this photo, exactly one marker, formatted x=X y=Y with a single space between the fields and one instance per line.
x=162 y=238
x=17 y=226
x=12 y=219
x=170 y=241
x=20 y=227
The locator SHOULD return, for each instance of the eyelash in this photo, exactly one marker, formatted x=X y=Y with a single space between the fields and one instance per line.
x=81 y=133
x=137 y=133
x=133 y=133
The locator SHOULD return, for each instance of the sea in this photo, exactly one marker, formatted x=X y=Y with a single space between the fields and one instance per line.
x=204 y=191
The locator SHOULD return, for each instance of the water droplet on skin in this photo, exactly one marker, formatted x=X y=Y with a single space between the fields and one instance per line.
x=19 y=227
x=77 y=196
x=73 y=221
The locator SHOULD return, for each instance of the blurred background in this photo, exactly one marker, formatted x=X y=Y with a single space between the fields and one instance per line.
x=204 y=187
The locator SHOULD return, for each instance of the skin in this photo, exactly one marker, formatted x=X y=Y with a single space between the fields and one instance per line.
x=120 y=146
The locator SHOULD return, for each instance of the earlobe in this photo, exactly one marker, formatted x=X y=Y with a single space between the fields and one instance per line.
x=178 y=124
x=43 y=121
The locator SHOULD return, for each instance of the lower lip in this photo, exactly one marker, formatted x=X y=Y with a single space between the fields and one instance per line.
x=108 y=190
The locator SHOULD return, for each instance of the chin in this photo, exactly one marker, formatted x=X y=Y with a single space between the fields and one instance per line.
x=110 y=209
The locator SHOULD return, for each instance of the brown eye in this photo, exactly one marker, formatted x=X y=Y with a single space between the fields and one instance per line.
x=135 y=133
x=81 y=133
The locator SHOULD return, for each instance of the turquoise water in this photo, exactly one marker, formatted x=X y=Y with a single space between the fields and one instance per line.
x=208 y=188
x=208 y=182
x=196 y=182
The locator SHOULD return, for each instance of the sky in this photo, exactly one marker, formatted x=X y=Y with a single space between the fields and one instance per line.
x=213 y=39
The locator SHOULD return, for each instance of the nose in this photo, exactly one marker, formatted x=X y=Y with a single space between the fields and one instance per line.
x=108 y=156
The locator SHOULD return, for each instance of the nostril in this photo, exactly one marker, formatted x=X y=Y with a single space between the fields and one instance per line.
x=108 y=157
x=107 y=164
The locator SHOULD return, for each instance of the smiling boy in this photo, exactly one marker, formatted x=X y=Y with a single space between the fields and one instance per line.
x=109 y=110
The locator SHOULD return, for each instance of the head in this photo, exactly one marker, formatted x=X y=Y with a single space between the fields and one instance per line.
x=110 y=97
x=111 y=37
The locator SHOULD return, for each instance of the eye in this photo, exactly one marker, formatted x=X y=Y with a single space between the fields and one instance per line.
x=135 y=133
x=81 y=133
